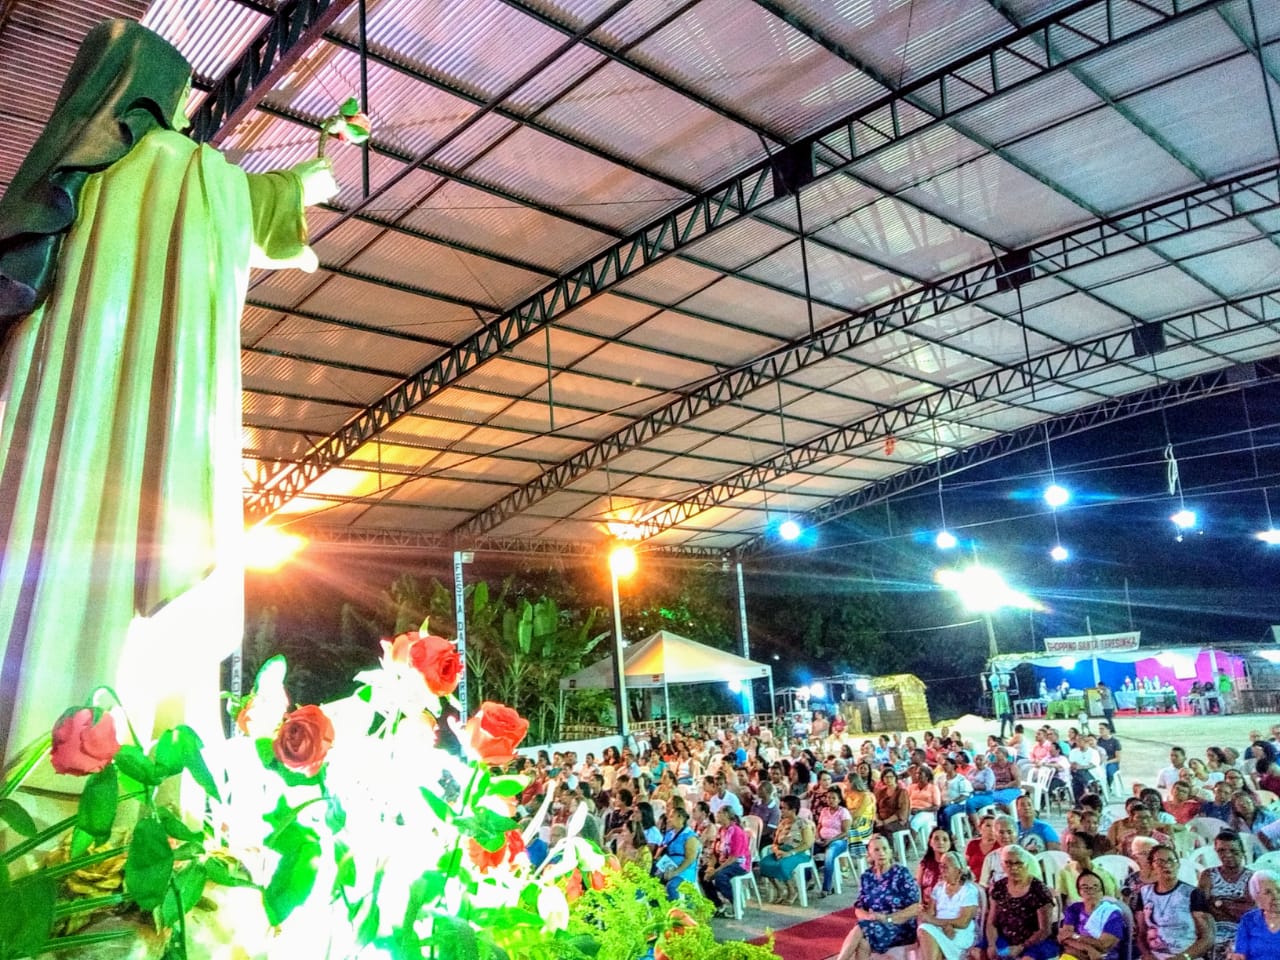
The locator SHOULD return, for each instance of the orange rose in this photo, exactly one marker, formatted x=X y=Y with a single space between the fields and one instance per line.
x=81 y=745
x=494 y=733
x=303 y=740
x=434 y=657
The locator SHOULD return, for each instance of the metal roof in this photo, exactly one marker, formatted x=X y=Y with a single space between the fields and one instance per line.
x=685 y=265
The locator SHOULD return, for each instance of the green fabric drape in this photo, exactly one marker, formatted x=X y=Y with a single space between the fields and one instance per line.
x=120 y=437
x=125 y=81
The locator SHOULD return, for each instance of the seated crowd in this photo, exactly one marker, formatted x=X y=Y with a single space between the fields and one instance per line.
x=1169 y=877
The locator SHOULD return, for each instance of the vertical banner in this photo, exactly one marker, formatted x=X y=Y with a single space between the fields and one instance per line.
x=748 y=687
x=459 y=595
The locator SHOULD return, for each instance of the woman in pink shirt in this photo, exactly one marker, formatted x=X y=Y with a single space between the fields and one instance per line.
x=925 y=800
x=730 y=857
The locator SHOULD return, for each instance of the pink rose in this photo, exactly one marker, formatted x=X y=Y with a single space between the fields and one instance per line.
x=81 y=745
x=303 y=740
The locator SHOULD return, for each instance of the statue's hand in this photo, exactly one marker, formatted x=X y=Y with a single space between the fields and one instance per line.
x=318 y=182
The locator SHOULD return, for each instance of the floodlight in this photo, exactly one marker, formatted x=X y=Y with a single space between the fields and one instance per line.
x=1269 y=536
x=1059 y=552
x=790 y=530
x=268 y=548
x=945 y=540
x=1184 y=519
x=817 y=691
x=1056 y=496
x=622 y=561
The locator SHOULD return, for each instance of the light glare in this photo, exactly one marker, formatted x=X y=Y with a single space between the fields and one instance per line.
x=945 y=540
x=622 y=561
x=1056 y=496
x=269 y=548
x=983 y=590
x=1270 y=536
x=1059 y=552
x=817 y=691
x=1184 y=519
x=735 y=686
x=789 y=530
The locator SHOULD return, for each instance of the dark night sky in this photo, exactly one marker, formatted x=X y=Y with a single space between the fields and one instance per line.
x=1217 y=584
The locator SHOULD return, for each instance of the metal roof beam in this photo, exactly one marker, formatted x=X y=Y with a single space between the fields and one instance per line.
x=894 y=421
x=293 y=28
x=1190 y=211
x=447 y=543
x=1151 y=400
x=996 y=69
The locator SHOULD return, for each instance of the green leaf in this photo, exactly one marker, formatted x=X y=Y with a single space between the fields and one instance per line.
x=26 y=916
x=437 y=804
x=175 y=828
x=350 y=107
x=80 y=842
x=149 y=865
x=509 y=786
x=17 y=818
x=97 y=812
x=295 y=875
x=132 y=762
x=453 y=938
x=183 y=893
x=335 y=818
x=179 y=749
x=489 y=829
x=369 y=919
x=227 y=874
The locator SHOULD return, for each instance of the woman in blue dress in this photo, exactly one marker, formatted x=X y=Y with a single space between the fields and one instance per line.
x=888 y=901
x=1258 y=936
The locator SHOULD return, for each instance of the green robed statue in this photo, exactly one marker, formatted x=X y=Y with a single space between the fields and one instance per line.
x=125 y=251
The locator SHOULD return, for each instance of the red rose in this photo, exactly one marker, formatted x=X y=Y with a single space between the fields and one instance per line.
x=81 y=745
x=303 y=740
x=433 y=657
x=486 y=860
x=494 y=733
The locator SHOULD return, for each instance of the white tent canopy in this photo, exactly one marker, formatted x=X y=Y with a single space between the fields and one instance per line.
x=666 y=658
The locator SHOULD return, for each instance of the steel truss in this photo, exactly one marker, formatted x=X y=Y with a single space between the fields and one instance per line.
x=1245 y=313
x=1085 y=27
x=291 y=30
x=1159 y=397
x=524 y=546
x=1201 y=207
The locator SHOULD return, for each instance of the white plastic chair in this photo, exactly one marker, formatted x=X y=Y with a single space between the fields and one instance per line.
x=1202 y=858
x=1206 y=828
x=1270 y=861
x=746 y=883
x=900 y=840
x=1051 y=861
x=961 y=829
x=856 y=866
x=1039 y=786
x=1117 y=865
x=801 y=881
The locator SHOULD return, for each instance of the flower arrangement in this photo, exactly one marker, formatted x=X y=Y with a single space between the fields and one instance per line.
x=336 y=830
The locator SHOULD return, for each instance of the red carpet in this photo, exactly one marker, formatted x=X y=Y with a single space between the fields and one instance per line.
x=815 y=939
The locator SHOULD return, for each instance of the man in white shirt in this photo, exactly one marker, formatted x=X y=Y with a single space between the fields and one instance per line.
x=1167 y=777
x=724 y=798
x=1086 y=765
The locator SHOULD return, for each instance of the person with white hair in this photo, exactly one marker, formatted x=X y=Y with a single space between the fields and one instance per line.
x=1258 y=936
x=948 y=928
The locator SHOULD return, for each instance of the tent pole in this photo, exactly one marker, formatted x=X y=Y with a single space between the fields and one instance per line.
x=748 y=692
x=773 y=704
x=619 y=668
x=666 y=704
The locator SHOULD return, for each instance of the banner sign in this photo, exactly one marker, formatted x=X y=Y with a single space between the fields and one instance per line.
x=1097 y=643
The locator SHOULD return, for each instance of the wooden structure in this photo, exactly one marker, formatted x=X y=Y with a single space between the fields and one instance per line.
x=898 y=702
